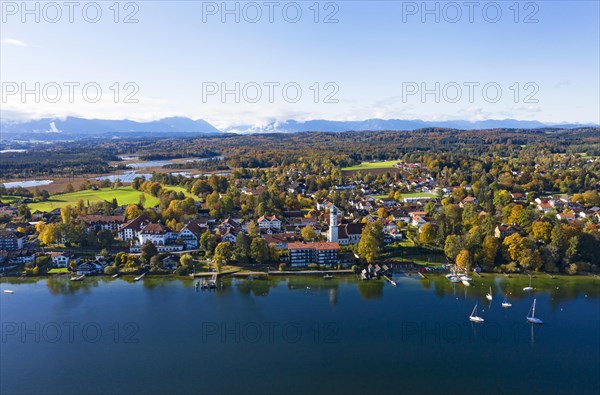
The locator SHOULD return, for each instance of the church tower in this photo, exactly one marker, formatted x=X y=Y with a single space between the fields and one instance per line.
x=332 y=235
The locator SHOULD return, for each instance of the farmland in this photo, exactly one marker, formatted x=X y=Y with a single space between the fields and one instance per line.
x=124 y=195
x=372 y=166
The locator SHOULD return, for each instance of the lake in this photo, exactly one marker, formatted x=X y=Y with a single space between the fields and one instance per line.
x=27 y=184
x=298 y=334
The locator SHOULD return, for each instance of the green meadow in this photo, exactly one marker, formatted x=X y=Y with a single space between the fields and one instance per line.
x=372 y=165
x=124 y=195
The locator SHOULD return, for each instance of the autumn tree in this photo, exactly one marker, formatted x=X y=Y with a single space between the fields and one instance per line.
x=427 y=234
x=371 y=241
x=463 y=259
x=308 y=233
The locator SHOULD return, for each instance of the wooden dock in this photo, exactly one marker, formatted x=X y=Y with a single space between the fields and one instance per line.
x=389 y=280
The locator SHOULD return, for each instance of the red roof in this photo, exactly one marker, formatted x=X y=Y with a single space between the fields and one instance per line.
x=314 y=246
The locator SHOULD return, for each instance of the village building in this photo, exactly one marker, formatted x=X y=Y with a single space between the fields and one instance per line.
x=322 y=253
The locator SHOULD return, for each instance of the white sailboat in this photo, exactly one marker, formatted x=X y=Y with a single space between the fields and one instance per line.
x=506 y=303
x=489 y=295
x=474 y=317
x=529 y=288
x=531 y=315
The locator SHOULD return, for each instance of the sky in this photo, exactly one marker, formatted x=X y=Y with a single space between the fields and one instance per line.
x=250 y=63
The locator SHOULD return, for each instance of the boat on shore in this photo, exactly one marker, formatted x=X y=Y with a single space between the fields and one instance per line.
x=489 y=295
x=466 y=283
x=529 y=288
x=115 y=275
x=328 y=277
x=77 y=278
x=138 y=278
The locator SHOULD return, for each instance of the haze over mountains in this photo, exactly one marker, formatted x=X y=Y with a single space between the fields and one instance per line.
x=77 y=128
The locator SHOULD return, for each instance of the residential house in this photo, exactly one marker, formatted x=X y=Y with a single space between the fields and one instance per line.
x=566 y=217
x=131 y=229
x=190 y=234
x=505 y=230
x=11 y=240
x=90 y=268
x=230 y=235
x=170 y=262
x=107 y=222
x=269 y=223
x=322 y=253
x=60 y=259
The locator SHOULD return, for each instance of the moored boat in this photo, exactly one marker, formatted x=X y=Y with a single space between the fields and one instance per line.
x=474 y=317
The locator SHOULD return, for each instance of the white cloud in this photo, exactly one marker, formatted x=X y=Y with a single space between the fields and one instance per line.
x=13 y=42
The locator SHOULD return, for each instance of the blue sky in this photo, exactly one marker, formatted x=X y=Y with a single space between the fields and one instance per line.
x=371 y=57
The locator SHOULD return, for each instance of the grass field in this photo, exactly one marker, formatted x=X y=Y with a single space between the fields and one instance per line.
x=372 y=165
x=408 y=194
x=124 y=195
x=182 y=189
x=418 y=194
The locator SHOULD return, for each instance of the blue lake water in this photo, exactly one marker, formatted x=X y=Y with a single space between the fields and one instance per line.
x=27 y=184
x=298 y=335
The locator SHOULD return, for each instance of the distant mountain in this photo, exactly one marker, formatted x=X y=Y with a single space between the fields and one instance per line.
x=73 y=128
x=292 y=126
x=77 y=128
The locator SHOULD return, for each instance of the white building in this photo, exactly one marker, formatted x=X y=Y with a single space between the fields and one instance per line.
x=332 y=233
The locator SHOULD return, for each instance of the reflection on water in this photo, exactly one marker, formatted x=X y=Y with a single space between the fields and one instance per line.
x=411 y=333
x=371 y=289
x=562 y=288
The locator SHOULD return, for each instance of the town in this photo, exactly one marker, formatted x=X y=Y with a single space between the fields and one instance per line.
x=418 y=211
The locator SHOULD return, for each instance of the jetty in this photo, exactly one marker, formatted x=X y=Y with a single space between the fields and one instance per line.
x=389 y=280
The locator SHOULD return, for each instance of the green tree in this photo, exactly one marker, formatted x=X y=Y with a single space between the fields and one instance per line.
x=242 y=248
x=148 y=251
x=259 y=251
x=453 y=245
x=223 y=252
x=208 y=242
x=186 y=261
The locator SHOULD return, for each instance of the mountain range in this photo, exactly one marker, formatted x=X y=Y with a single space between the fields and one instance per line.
x=73 y=128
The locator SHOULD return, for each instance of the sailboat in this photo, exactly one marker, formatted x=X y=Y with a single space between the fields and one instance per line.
x=531 y=315
x=529 y=288
x=474 y=317
x=506 y=303
x=489 y=296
